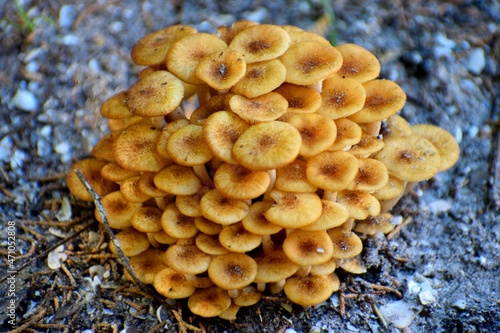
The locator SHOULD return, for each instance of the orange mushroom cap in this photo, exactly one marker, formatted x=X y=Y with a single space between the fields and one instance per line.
x=91 y=170
x=359 y=63
x=341 y=97
x=260 y=78
x=236 y=182
x=308 y=290
x=267 y=107
x=332 y=171
x=307 y=248
x=294 y=210
x=232 y=271
x=222 y=70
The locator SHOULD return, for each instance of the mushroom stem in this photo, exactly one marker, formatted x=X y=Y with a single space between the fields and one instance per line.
x=234 y=293
x=347 y=226
x=373 y=128
x=387 y=205
x=272 y=175
x=202 y=173
x=277 y=287
x=330 y=195
x=199 y=282
x=203 y=93
x=261 y=286
x=303 y=271
x=267 y=244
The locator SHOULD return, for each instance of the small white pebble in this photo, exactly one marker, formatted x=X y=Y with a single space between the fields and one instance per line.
x=290 y=330
x=460 y=304
x=25 y=100
x=476 y=61
x=440 y=206
x=67 y=15
x=426 y=297
x=398 y=313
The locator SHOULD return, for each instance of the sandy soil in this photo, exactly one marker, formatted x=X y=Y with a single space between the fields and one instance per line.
x=58 y=63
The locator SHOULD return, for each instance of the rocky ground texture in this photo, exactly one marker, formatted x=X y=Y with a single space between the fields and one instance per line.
x=59 y=61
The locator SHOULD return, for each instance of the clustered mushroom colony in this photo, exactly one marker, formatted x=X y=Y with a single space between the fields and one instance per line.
x=254 y=159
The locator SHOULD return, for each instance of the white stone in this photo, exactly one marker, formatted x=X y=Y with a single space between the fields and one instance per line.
x=476 y=61
x=440 y=206
x=460 y=304
x=398 y=313
x=67 y=15
x=25 y=100
x=426 y=297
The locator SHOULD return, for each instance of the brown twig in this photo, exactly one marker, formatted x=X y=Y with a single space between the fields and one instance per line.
x=398 y=228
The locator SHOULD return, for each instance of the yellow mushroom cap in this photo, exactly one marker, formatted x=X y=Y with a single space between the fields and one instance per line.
x=187 y=259
x=221 y=209
x=372 y=175
x=236 y=182
x=214 y=104
x=220 y=131
x=177 y=225
x=294 y=210
x=275 y=267
x=261 y=42
x=171 y=127
x=411 y=158
x=118 y=210
x=332 y=171
x=116 y=173
x=147 y=219
x=206 y=226
x=353 y=265
x=333 y=215
x=135 y=149
x=292 y=177
x=189 y=205
x=210 y=244
x=178 y=180
x=103 y=149
x=375 y=224
x=147 y=186
x=391 y=190
x=359 y=204
x=310 y=61
x=317 y=132
x=444 y=142
x=209 y=302
x=91 y=170
x=260 y=78
x=325 y=268
x=346 y=244
x=115 y=107
x=156 y=94
x=248 y=296
x=348 y=133
x=395 y=125
x=307 y=248
x=383 y=99
x=131 y=192
x=222 y=70
x=300 y=99
x=366 y=146
x=341 y=97
x=308 y=290
x=237 y=239
x=255 y=221
x=227 y=33
x=267 y=107
x=359 y=63
x=172 y=284
x=186 y=146
x=267 y=145
x=232 y=271
x=186 y=53
x=146 y=265
x=132 y=242
x=152 y=49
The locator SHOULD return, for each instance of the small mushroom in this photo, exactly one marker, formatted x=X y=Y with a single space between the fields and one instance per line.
x=172 y=284
x=147 y=219
x=210 y=244
x=177 y=225
x=186 y=146
x=333 y=215
x=131 y=192
x=237 y=239
x=348 y=134
x=317 y=132
x=132 y=242
x=332 y=171
x=359 y=204
x=115 y=107
x=308 y=290
x=294 y=210
x=372 y=175
x=358 y=63
x=222 y=70
x=300 y=99
x=187 y=259
x=115 y=173
x=118 y=210
x=232 y=271
x=91 y=169
x=266 y=107
x=189 y=205
x=260 y=78
x=216 y=207
x=375 y=224
x=178 y=180
x=209 y=302
x=341 y=97
x=275 y=267
x=237 y=182
x=146 y=265
x=293 y=178
x=346 y=244
x=308 y=248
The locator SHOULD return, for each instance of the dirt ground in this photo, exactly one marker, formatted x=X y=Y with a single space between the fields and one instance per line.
x=59 y=62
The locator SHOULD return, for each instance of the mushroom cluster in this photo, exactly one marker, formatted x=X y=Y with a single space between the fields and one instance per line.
x=254 y=159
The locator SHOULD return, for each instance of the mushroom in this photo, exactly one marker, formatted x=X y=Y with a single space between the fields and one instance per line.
x=187 y=259
x=189 y=205
x=131 y=192
x=147 y=186
x=236 y=238
x=293 y=178
x=333 y=171
x=372 y=175
x=359 y=204
x=131 y=241
x=300 y=99
x=146 y=265
x=375 y=224
x=147 y=219
x=266 y=107
x=260 y=78
x=308 y=248
x=103 y=149
x=210 y=244
x=248 y=296
x=91 y=169
x=232 y=271
x=220 y=209
x=317 y=132
x=308 y=290
x=222 y=70
x=115 y=173
x=214 y=104
x=206 y=226
x=333 y=215
x=177 y=225
x=348 y=133
x=237 y=182
x=341 y=97
x=115 y=107
x=178 y=180
x=358 y=63
x=346 y=244
x=186 y=146
x=209 y=302
x=294 y=210
x=118 y=210
x=172 y=284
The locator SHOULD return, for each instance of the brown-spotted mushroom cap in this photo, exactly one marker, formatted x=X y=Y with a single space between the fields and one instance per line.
x=187 y=259
x=118 y=125
x=261 y=42
x=317 y=131
x=131 y=192
x=146 y=265
x=186 y=146
x=359 y=63
x=348 y=133
x=116 y=173
x=275 y=267
x=260 y=78
x=155 y=95
x=294 y=210
x=310 y=61
x=265 y=107
x=222 y=70
x=186 y=53
x=148 y=187
x=383 y=99
x=232 y=271
x=332 y=171
x=118 y=210
x=132 y=242
x=177 y=179
x=152 y=49
x=206 y=226
x=346 y=244
x=307 y=248
x=237 y=182
x=366 y=146
x=91 y=170
x=172 y=284
x=248 y=296
x=268 y=145
x=210 y=244
x=300 y=99
x=392 y=189
x=221 y=209
x=171 y=127
x=135 y=149
x=341 y=97
x=292 y=177
x=115 y=107
x=325 y=268
x=444 y=142
x=372 y=175
x=359 y=204
x=411 y=158
x=103 y=149
x=333 y=215
x=220 y=131
x=177 y=225
x=209 y=302
x=214 y=104
x=353 y=265
x=375 y=224
x=255 y=221
x=308 y=290
x=237 y=239
x=147 y=219
x=189 y=205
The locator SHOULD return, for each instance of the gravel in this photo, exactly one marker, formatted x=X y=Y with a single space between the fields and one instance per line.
x=65 y=59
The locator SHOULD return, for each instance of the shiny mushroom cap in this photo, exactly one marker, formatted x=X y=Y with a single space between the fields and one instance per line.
x=232 y=271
